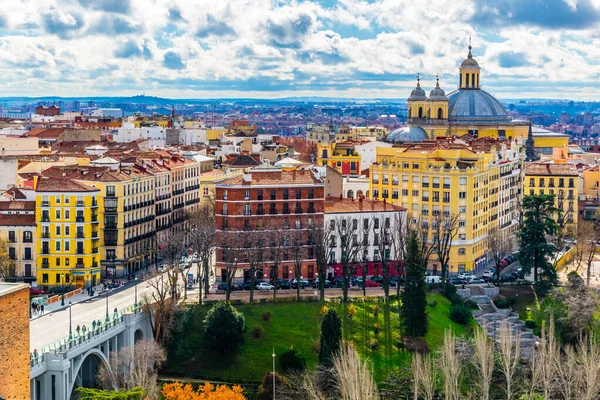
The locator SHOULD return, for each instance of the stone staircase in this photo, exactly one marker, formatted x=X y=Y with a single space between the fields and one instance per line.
x=491 y=320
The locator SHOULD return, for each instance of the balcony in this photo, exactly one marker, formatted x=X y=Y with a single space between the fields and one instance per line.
x=79 y=203
x=164 y=211
x=110 y=194
x=45 y=219
x=45 y=203
x=79 y=265
x=79 y=219
x=95 y=235
x=94 y=203
x=45 y=235
x=46 y=251
x=95 y=250
x=80 y=235
x=45 y=265
x=192 y=201
x=298 y=211
x=110 y=242
x=94 y=218
x=178 y=206
x=80 y=252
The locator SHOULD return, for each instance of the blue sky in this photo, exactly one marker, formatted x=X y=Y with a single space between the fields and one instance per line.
x=276 y=48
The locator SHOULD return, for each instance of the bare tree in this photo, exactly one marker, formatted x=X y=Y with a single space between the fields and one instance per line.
x=7 y=264
x=450 y=366
x=483 y=358
x=500 y=245
x=423 y=372
x=134 y=366
x=202 y=240
x=542 y=363
x=353 y=376
x=564 y=219
x=588 y=351
x=352 y=240
x=161 y=304
x=445 y=230
x=382 y=240
x=171 y=248
x=298 y=255
x=588 y=236
x=510 y=355
x=320 y=238
x=566 y=373
x=399 y=238
x=230 y=253
x=274 y=240
x=254 y=253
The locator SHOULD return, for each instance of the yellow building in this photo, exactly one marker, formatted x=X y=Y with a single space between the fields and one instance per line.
x=67 y=233
x=561 y=180
x=341 y=156
x=477 y=180
x=471 y=110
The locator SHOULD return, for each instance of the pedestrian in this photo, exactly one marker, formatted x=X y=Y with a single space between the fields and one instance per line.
x=94 y=325
x=34 y=308
x=115 y=310
x=78 y=329
x=42 y=308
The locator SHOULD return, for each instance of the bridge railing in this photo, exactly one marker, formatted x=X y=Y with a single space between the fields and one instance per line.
x=83 y=335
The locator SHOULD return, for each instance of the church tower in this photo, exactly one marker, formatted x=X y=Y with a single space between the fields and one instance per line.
x=469 y=72
x=417 y=106
x=438 y=103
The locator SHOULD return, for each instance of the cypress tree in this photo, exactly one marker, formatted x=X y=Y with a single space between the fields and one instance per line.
x=414 y=296
x=331 y=337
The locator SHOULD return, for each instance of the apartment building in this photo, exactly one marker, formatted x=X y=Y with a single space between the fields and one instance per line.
x=17 y=230
x=67 y=234
x=290 y=202
x=561 y=180
x=478 y=180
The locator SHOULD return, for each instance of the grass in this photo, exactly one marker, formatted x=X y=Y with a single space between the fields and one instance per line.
x=298 y=324
x=525 y=298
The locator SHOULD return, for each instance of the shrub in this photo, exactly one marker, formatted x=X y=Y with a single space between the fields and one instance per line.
x=257 y=332
x=351 y=311
x=433 y=304
x=331 y=337
x=399 y=345
x=224 y=328
x=265 y=390
x=449 y=291
x=529 y=323
x=266 y=316
x=374 y=344
x=471 y=304
x=456 y=299
x=375 y=311
x=415 y=344
x=460 y=313
x=501 y=303
x=292 y=360
x=323 y=311
x=263 y=300
x=511 y=300
x=376 y=327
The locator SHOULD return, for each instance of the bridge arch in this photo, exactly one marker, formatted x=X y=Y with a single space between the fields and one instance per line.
x=85 y=371
x=138 y=335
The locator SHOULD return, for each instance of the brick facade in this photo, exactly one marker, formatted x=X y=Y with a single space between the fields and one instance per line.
x=14 y=341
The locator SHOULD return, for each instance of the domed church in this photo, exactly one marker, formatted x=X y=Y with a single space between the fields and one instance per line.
x=467 y=110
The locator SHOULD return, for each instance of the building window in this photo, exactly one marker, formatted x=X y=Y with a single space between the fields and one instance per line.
x=462 y=251
x=247 y=195
x=12 y=237
x=224 y=194
x=57 y=214
x=247 y=209
x=462 y=195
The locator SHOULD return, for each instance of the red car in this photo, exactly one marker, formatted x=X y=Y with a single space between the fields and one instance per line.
x=35 y=291
x=372 y=283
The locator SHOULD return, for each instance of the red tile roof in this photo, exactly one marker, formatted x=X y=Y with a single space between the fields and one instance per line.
x=549 y=169
x=274 y=178
x=56 y=184
x=17 y=206
x=336 y=206
x=17 y=219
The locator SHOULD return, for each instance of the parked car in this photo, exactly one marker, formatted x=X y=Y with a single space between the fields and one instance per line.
x=465 y=275
x=372 y=283
x=303 y=284
x=326 y=284
x=456 y=281
x=285 y=285
x=245 y=286
x=265 y=286
x=433 y=279
x=35 y=291
x=509 y=277
x=378 y=279
x=337 y=282
x=476 y=281
x=222 y=286
x=491 y=273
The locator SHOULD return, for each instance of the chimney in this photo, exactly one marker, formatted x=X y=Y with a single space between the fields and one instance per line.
x=360 y=199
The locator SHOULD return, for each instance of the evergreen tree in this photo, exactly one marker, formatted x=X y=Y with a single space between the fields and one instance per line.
x=414 y=296
x=331 y=337
x=538 y=223
x=224 y=328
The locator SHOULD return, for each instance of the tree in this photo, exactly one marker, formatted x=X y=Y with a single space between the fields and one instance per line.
x=483 y=358
x=202 y=240
x=382 y=237
x=298 y=255
x=230 y=252
x=99 y=394
x=500 y=245
x=450 y=366
x=275 y=239
x=444 y=232
x=510 y=355
x=354 y=378
x=254 y=252
x=414 y=296
x=171 y=247
x=399 y=237
x=331 y=337
x=320 y=239
x=161 y=304
x=538 y=223
x=352 y=240
x=179 y=391
x=134 y=366
x=224 y=328
x=7 y=264
x=586 y=246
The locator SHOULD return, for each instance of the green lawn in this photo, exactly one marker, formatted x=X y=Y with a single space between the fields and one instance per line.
x=298 y=324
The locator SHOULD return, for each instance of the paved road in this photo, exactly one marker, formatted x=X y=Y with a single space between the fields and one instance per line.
x=51 y=327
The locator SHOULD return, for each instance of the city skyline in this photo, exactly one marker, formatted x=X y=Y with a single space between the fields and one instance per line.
x=274 y=49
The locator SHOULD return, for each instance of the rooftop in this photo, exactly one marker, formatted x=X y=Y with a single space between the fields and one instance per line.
x=335 y=205
x=8 y=288
x=17 y=206
x=551 y=169
x=17 y=220
x=273 y=178
x=60 y=184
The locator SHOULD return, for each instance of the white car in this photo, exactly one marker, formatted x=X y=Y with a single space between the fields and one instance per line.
x=467 y=276
x=264 y=286
x=433 y=279
x=489 y=274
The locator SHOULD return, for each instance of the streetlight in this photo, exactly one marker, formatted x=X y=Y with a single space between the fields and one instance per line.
x=62 y=278
x=273 y=355
x=70 y=326
x=135 y=287
x=107 y=306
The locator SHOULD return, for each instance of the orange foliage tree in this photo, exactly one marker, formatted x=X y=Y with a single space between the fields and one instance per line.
x=179 y=391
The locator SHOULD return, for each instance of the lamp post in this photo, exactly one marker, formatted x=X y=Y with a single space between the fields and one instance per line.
x=273 y=355
x=70 y=326
x=107 y=306
x=62 y=278
x=135 y=288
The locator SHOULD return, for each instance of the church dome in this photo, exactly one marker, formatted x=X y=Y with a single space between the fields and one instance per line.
x=418 y=93
x=465 y=105
x=407 y=134
x=437 y=93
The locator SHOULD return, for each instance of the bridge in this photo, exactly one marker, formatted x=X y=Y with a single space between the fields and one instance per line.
x=71 y=362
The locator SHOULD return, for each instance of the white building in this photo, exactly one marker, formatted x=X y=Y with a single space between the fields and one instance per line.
x=108 y=112
x=192 y=136
x=156 y=135
x=368 y=153
x=361 y=217
x=354 y=187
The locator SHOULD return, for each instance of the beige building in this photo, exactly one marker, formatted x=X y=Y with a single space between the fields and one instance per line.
x=17 y=230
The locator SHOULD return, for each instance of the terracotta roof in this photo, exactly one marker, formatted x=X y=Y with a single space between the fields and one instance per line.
x=17 y=206
x=244 y=160
x=15 y=194
x=56 y=184
x=336 y=206
x=550 y=169
x=95 y=174
x=17 y=219
x=46 y=133
x=274 y=178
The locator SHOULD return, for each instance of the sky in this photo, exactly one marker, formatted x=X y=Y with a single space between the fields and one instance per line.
x=272 y=49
